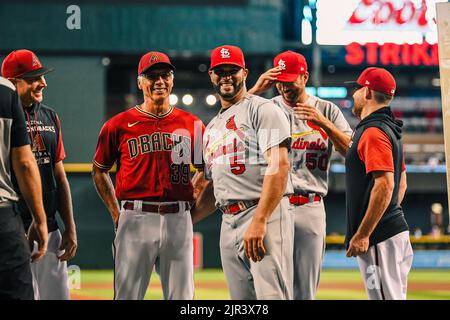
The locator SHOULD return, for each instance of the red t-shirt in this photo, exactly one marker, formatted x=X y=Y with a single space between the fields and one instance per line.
x=375 y=150
x=153 y=153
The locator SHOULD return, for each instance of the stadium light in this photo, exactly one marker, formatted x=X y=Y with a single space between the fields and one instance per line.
x=173 y=99
x=188 y=99
x=211 y=100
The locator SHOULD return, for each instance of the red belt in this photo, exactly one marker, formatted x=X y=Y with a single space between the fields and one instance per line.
x=238 y=207
x=299 y=200
x=161 y=208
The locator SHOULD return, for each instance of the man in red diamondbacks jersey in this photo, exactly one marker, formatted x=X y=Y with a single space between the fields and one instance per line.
x=153 y=145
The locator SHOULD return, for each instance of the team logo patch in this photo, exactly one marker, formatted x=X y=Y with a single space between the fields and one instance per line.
x=225 y=53
x=282 y=64
x=154 y=58
x=38 y=143
x=35 y=61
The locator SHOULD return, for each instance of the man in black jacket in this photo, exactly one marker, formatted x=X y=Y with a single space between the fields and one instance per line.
x=377 y=232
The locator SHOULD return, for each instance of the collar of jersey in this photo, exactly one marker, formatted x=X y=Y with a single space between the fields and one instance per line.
x=154 y=115
x=33 y=108
x=223 y=111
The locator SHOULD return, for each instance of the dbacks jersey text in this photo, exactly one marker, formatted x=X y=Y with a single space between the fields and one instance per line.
x=153 y=153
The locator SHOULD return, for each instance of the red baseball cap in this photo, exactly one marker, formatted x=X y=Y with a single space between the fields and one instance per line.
x=292 y=64
x=377 y=79
x=152 y=58
x=227 y=55
x=23 y=64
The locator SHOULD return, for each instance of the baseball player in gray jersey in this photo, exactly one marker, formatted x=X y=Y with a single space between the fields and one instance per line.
x=317 y=125
x=245 y=149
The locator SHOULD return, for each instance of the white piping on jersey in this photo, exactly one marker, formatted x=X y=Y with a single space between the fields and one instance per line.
x=101 y=166
x=154 y=115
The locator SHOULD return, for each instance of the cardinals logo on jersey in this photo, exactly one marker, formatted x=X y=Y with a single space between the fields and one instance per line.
x=317 y=128
x=231 y=125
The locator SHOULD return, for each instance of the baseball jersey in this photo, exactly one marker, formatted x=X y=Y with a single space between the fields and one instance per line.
x=311 y=147
x=44 y=130
x=153 y=153
x=234 y=145
x=13 y=134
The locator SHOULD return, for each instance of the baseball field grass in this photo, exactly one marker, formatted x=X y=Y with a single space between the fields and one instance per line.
x=210 y=284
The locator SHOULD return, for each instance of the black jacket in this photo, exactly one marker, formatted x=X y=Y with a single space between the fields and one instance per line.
x=359 y=184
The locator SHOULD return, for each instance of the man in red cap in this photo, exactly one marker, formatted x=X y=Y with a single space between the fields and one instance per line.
x=317 y=126
x=246 y=160
x=153 y=145
x=377 y=232
x=50 y=276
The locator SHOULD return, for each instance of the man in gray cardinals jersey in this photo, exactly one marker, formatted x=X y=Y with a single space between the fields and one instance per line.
x=245 y=149
x=317 y=125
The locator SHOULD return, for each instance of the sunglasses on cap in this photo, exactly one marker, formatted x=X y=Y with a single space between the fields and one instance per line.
x=222 y=72
x=155 y=75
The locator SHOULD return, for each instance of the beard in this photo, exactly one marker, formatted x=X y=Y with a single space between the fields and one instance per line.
x=356 y=110
x=227 y=96
x=291 y=97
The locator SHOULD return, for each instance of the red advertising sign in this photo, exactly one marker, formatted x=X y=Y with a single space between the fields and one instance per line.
x=401 y=13
x=376 y=21
x=423 y=54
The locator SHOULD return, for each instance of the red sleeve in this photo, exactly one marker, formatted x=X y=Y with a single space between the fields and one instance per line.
x=375 y=150
x=197 y=155
x=403 y=161
x=60 y=152
x=105 y=153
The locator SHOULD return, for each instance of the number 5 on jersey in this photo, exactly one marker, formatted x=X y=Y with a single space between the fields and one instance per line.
x=237 y=168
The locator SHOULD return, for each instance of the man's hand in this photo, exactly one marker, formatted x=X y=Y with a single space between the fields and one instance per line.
x=38 y=232
x=253 y=240
x=265 y=81
x=309 y=113
x=69 y=245
x=358 y=245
